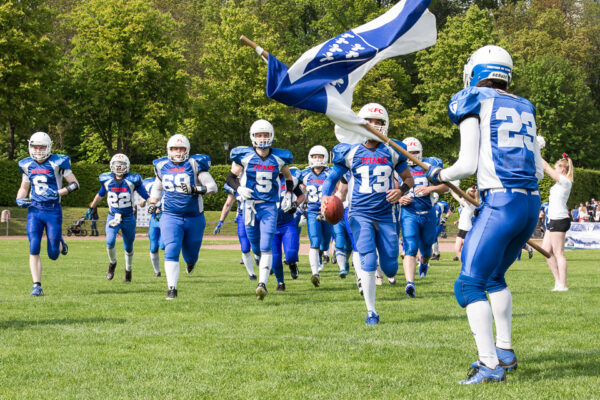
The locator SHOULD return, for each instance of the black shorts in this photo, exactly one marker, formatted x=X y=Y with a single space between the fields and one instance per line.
x=559 y=225
x=462 y=234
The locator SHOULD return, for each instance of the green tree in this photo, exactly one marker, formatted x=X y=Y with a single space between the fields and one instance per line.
x=127 y=77
x=27 y=70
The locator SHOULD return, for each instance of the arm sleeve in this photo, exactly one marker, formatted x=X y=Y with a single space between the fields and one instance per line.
x=468 y=157
x=206 y=179
x=157 y=189
x=337 y=172
x=67 y=172
x=25 y=178
x=539 y=165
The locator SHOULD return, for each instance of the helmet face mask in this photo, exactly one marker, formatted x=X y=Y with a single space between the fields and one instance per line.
x=119 y=165
x=178 y=141
x=315 y=161
x=374 y=111
x=264 y=140
x=488 y=62
x=414 y=146
x=40 y=146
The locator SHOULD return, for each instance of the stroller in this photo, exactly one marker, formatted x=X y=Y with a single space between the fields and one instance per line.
x=76 y=229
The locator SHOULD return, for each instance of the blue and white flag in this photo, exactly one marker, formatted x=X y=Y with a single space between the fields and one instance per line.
x=323 y=79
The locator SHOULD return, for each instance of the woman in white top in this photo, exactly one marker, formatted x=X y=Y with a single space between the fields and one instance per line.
x=465 y=220
x=554 y=238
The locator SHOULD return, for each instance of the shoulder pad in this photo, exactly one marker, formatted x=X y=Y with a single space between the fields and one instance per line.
x=159 y=160
x=434 y=161
x=64 y=162
x=149 y=181
x=401 y=144
x=295 y=171
x=285 y=155
x=339 y=152
x=23 y=164
x=229 y=189
x=136 y=179
x=237 y=153
x=203 y=161
x=466 y=103
x=105 y=177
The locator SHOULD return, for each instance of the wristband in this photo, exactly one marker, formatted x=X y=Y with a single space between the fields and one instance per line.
x=404 y=189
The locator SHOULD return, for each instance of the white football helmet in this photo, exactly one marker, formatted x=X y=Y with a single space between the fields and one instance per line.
x=178 y=141
x=376 y=111
x=40 y=139
x=119 y=164
x=488 y=62
x=435 y=197
x=258 y=126
x=413 y=144
x=318 y=151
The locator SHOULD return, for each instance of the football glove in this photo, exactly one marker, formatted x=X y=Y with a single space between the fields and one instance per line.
x=443 y=220
x=286 y=202
x=245 y=193
x=302 y=221
x=218 y=228
x=89 y=213
x=320 y=217
x=115 y=221
x=23 y=203
x=151 y=208
x=192 y=189
x=433 y=175
x=541 y=141
x=293 y=208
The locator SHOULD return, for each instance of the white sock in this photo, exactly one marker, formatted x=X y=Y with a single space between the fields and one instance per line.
x=379 y=272
x=501 y=302
x=128 y=260
x=172 y=271
x=368 y=284
x=436 y=248
x=155 y=262
x=112 y=254
x=340 y=257
x=480 y=320
x=313 y=258
x=248 y=262
x=356 y=263
x=266 y=260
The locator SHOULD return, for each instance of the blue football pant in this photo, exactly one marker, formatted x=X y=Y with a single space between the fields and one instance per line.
x=319 y=232
x=127 y=228
x=154 y=236
x=506 y=221
x=418 y=233
x=265 y=226
x=342 y=240
x=51 y=220
x=373 y=238
x=286 y=236
x=182 y=234
x=241 y=232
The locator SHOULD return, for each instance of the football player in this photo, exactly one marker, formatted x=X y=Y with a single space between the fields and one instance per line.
x=417 y=216
x=259 y=167
x=156 y=241
x=319 y=230
x=182 y=180
x=442 y=212
x=371 y=216
x=498 y=141
x=466 y=216
x=43 y=173
x=118 y=187
x=247 y=260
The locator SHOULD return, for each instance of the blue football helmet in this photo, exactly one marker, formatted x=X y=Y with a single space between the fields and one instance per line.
x=488 y=62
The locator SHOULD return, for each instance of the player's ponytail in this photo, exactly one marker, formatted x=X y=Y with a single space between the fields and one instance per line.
x=567 y=165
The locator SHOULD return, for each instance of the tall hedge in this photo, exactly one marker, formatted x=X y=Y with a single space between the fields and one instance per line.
x=586 y=186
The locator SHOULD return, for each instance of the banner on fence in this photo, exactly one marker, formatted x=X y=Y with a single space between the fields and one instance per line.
x=583 y=235
x=142 y=216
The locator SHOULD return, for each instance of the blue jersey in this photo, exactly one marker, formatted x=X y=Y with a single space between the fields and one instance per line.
x=119 y=193
x=441 y=208
x=172 y=175
x=372 y=175
x=45 y=178
x=421 y=202
x=508 y=154
x=545 y=211
x=314 y=188
x=261 y=175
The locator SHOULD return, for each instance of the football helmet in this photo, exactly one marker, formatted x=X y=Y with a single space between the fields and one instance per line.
x=119 y=164
x=376 y=111
x=488 y=62
x=40 y=139
x=413 y=144
x=318 y=151
x=178 y=141
x=258 y=126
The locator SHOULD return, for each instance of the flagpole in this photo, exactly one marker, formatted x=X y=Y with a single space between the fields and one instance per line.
x=265 y=56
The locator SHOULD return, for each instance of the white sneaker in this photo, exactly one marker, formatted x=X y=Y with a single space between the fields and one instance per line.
x=562 y=289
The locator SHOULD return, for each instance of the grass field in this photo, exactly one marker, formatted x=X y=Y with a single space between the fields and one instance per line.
x=89 y=338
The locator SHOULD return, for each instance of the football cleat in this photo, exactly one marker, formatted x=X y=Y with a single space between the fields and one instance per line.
x=280 y=287
x=480 y=373
x=392 y=280
x=171 y=293
x=36 y=290
x=241 y=262
x=435 y=257
x=325 y=259
x=252 y=277
x=316 y=280
x=127 y=276
x=261 y=291
x=333 y=258
x=110 y=272
x=343 y=273
x=530 y=252
x=455 y=259
x=372 y=318
x=294 y=270
x=189 y=268
x=410 y=289
x=423 y=268
x=157 y=274
x=65 y=249
x=507 y=359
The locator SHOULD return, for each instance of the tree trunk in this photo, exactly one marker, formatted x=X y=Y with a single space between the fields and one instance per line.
x=11 y=146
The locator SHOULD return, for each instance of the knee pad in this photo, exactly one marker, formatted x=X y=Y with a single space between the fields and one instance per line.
x=171 y=252
x=369 y=261
x=153 y=246
x=495 y=285
x=468 y=290
x=410 y=247
x=53 y=254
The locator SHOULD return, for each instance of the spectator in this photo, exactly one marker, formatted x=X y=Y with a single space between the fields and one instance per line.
x=597 y=214
x=583 y=213
x=575 y=215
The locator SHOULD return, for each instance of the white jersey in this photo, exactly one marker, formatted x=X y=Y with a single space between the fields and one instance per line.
x=465 y=221
x=559 y=194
